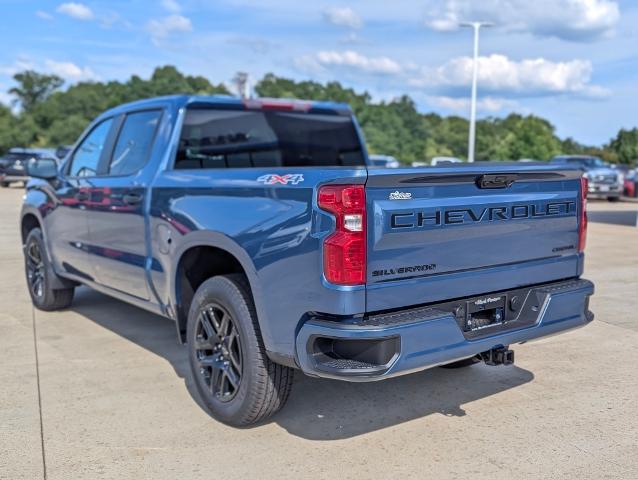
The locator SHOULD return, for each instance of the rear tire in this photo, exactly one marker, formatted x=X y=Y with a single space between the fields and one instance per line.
x=466 y=362
x=38 y=271
x=4 y=184
x=236 y=380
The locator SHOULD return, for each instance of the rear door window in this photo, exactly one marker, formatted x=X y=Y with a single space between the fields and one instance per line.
x=214 y=138
x=134 y=142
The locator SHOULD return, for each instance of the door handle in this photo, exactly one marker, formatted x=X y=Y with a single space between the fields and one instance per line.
x=132 y=198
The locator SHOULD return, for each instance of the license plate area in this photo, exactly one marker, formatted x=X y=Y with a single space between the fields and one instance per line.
x=485 y=312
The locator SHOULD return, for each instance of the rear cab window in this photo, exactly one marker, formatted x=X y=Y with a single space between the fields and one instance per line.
x=134 y=142
x=212 y=137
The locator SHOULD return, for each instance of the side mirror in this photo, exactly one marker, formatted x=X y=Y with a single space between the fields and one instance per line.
x=44 y=168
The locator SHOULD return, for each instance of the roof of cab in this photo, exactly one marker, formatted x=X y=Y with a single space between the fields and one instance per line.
x=179 y=101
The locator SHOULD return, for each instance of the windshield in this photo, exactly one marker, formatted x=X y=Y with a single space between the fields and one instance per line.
x=214 y=138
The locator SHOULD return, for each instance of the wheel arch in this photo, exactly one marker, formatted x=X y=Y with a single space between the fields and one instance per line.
x=210 y=254
x=30 y=219
x=28 y=222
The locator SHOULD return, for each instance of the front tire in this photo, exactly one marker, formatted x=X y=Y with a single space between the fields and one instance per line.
x=236 y=380
x=38 y=271
x=5 y=184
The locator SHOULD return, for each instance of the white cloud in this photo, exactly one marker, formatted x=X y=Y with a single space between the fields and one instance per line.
x=44 y=15
x=343 y=17
x=70 y=71
x=462 y=104
x=162 y=28
x=578 y=20
x=498 y=74
x=171 y=6
x=350 y=60
x=79 y=11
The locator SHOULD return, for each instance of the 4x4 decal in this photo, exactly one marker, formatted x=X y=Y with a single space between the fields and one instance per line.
x=273 y=179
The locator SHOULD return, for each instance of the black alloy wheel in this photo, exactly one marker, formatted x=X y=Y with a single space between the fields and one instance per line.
x=236 y=380
x=219 y=353
x=35 y=269
x=48 y=291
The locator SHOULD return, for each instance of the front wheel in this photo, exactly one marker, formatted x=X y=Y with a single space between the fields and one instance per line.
x=4 y=184
x=39 y=272
x=236 y=380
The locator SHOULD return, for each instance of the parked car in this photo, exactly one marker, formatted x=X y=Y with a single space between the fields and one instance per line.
x=439 y=160
x=259 y=228
x=386 y=161
x=631 y=183
x=12 y=165
x=604 y=181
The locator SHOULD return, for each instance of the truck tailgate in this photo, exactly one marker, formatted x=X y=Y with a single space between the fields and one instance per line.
x=448 y=232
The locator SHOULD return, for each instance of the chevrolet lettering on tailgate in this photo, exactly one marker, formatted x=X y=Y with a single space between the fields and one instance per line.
x=458 y=216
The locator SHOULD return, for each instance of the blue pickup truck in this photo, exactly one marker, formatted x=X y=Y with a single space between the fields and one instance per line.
x=261 y=229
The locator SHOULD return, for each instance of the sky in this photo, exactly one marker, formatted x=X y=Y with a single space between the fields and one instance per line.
x=574 y=62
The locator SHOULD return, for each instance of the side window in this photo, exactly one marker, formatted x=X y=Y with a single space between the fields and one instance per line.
x=87 y=157
x=134 y=143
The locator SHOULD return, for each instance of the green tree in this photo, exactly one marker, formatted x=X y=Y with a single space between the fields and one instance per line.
x=15 y=131
x=50 y=116
x=34 y=88
x=625 y=146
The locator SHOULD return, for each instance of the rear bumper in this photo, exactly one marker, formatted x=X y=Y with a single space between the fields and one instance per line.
x=410 y=340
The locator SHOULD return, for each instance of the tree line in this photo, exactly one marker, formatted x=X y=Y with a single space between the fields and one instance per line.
x=49 y=115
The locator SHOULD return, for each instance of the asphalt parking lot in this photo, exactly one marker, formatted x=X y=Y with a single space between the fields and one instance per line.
x=107 y=394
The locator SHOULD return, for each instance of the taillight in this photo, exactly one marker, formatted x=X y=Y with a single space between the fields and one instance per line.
x=344 y=251
x=582 y=226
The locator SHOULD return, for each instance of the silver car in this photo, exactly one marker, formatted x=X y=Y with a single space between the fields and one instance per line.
x=604 y=181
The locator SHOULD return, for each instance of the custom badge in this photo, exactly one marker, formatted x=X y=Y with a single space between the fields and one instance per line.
x=273 y=179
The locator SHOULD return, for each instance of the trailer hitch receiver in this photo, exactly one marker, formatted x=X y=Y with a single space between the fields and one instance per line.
x=498 y=356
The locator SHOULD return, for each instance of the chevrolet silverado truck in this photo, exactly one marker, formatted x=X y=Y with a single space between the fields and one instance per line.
x=261 y=229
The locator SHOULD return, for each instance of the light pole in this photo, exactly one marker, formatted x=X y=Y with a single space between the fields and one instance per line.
x=471 y=141
x=242 y=82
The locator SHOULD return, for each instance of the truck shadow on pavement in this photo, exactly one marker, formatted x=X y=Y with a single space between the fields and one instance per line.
x=320 y=409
